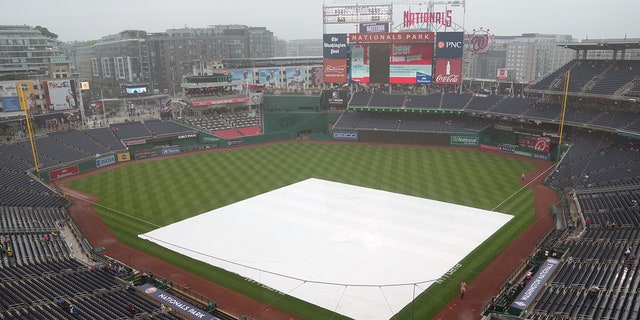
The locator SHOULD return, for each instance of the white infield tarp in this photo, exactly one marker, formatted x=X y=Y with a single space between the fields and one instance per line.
x=353 y=250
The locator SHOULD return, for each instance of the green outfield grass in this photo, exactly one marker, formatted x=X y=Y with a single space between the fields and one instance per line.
x=144 y=196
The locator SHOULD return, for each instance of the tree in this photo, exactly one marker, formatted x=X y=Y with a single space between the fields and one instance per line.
x=45 y=32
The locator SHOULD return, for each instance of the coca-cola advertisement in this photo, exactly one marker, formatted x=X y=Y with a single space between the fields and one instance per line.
x=448 y=71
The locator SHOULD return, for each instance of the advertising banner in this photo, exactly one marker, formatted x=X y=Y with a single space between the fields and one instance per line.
x=507 y=148
x=170 y=150
x=296 y=78
x=359 y=63
x=533 y=287
x=335 y=71
x=540 y=144
x=546 y=156
x=134 y=142
x=124 y=157
x=10 y=95
x=102 y=162
x=373 y=27
x=234 y=142
x=60 y=95
x=317 y=76
x=408 y=63
x=334 y=46
x=64 y=172
x=241 y=79
x=449 y=45
x=270 y=78
x=345 y=135
x=221 y=101
x=465 y=141
x=489 y=147
x=335 y=98
x=178 y=305
x=411 y=63
x=396 y=37
x=448 y=71
x=503 y=74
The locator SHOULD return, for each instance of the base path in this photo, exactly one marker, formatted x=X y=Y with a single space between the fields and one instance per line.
x=479 y=291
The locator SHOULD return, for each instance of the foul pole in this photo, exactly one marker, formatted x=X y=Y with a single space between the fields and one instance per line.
x=22 y=88
x=564 y=109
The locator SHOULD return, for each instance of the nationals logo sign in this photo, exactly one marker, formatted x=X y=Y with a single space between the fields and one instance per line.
x=448 y=71
x=480 y=41
x=542 y=144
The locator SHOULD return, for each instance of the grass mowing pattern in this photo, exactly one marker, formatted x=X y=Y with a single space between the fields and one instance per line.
x=144 y=196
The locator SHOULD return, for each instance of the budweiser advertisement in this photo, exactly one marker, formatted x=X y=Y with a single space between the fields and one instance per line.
x=448 y=71
x=335 y=71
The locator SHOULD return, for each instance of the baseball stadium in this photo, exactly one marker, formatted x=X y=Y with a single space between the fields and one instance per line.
x=377 y=182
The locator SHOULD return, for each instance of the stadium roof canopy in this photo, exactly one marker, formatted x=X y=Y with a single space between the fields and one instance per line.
x=615 y=45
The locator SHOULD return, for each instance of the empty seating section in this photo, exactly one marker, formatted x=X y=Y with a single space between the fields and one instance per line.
x=46 y=290
x=32 y=235
x=614 y=119
x=41 y=278
x=107 y=138
x=597 y=258
x=159 y=127
x=431 y=101
x=130 y=130
x=79 y=140
x=19 y=189
x=60 y=153
x=546 y=82
x=618 y=75
x=598 y=77
x=378 y=121
x=381 y=100
x=483 y=103
x=544 y=111
x=348 y=120
x=584 y=71
x=455 y=101
x=513 y=106
x=360 y=99
x=580 y=115
x=214 y=123
x=410 y=121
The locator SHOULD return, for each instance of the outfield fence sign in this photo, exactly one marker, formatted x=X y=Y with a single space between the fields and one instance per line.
x=234 y=142
x=170 y=150
x=345 y=135
x=464 y=141
x=105 y=161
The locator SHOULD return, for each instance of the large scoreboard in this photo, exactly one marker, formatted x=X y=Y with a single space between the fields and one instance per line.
x=396 y=58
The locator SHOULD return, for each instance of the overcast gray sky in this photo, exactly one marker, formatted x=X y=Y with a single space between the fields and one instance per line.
x=302 y=19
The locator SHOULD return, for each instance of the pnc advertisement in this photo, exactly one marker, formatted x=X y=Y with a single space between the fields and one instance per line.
x=449 y=45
